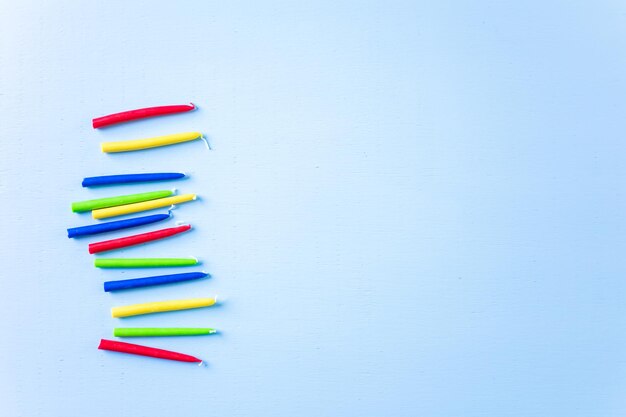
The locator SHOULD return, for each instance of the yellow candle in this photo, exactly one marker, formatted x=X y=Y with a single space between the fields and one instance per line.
x=160 y=306
x=134 y=145
x=143 y=206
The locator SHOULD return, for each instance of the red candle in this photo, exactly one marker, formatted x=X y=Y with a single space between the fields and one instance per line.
x=127 y=116
x=123 y=242
x=133 y=349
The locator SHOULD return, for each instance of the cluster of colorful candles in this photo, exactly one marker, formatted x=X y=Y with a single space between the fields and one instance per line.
x=103 y=208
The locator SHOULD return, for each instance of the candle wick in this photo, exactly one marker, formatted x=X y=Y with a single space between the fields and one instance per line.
x=206 y=141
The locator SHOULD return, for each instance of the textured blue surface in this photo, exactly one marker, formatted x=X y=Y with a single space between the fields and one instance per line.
x=413 y=208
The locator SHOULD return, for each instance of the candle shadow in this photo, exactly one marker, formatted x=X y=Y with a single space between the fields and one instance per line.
x=149 y=359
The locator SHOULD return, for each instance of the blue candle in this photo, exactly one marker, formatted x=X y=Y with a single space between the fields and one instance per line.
x=129 y=178
x=94 y=229
x=148 y=281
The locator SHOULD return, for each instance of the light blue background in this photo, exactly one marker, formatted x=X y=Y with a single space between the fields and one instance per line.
x=414 y=208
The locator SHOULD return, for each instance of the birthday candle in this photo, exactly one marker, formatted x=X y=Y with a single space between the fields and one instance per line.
x=149 y=281
x=135 y=145
x=99 y=203
x=162 y=306
x=133 y=240
x=94 y=229
x=133 y=349
x=143 y=206
x=144 y=262
x=130 y=178
x=127 y=116
x=161 y=331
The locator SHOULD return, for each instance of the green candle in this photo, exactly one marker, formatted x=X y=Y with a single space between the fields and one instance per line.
x=120 y=200
x=161 y=331
x=143 y=262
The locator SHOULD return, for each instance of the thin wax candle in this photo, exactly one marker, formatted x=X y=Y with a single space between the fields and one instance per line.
x=144 y=262
x=129 y=115
x=133 y=349
x=133 y=240
x=130 y=178
x=138 y=144
x=162 y=306
x=126 y=284
x=95 y=229
x=143 y=206
x=161 y=331
x=99 y=203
